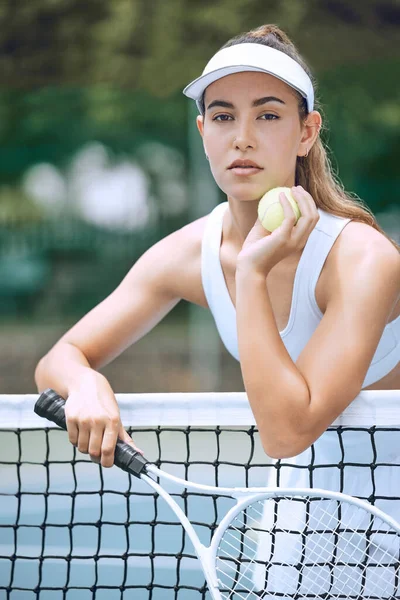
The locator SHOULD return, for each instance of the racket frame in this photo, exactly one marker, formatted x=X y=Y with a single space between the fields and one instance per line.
x=244 y=497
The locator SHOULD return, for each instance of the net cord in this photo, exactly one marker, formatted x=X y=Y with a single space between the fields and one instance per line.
x=370 y=408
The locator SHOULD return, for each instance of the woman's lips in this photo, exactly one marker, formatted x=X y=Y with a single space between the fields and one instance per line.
x=245 y=171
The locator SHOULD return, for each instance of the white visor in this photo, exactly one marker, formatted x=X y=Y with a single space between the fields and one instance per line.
x=252 y=57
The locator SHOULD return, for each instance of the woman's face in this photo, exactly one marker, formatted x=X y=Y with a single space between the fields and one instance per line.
x=251 y=117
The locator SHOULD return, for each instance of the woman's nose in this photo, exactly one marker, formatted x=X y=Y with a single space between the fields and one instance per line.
x=244 y=138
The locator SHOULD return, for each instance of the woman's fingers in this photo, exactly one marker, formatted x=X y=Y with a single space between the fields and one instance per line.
x=99 y=441
x=109 y=441
x=72 y=428
x=261 y=250
x=305 y=202
x=290 y=218
x=125 y=437
x=95 y=443
x=309 y=213
x=78 y=431
x=93 y=419
x=83 y=438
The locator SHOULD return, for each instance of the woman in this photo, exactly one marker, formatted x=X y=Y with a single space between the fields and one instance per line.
x=311 y=309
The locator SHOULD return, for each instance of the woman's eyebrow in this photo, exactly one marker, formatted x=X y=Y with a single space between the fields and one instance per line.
x=258 y=102
x=221 y=103
x=261 y=101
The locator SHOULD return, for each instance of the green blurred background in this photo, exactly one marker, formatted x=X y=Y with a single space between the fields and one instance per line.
x=100 y=158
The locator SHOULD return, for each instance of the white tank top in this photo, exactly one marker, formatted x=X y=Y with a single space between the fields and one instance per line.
x=329 y=450
x=305 y=314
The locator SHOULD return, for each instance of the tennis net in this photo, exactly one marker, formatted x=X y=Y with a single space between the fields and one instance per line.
x=72 y=530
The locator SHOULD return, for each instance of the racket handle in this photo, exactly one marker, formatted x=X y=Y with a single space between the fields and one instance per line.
x=51 y=406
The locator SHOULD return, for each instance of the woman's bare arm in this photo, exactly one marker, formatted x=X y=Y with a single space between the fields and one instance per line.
x=294 y=403
x=154 y=285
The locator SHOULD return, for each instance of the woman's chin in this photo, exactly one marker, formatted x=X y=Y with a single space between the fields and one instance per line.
x=245 y=196
x=246 y=193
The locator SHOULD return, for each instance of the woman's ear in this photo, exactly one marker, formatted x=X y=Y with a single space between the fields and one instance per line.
x=311 y=128
x=200 y=127
x=200 y=124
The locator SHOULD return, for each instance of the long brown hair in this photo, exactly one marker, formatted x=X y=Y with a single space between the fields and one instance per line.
x=314 y=172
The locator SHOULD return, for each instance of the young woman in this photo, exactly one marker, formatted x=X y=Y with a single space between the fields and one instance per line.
x=312 y=309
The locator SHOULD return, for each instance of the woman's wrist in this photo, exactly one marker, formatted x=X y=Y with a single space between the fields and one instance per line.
x=82 y=377
x=246 y=273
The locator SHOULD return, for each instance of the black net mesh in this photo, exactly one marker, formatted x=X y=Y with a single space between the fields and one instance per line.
x=71 y=530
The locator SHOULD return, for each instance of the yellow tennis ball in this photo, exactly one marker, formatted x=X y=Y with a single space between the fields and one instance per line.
x=270 y=210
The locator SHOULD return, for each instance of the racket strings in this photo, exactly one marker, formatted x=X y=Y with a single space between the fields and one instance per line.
x=340 y=592
x=241 y=530
x=331 y=551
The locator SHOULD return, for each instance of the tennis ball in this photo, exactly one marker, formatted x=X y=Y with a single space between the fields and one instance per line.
x=270 y=210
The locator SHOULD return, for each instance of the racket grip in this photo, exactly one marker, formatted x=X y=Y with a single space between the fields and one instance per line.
x=51 y=406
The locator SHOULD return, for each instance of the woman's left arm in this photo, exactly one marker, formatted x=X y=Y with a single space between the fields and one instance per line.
x=294 y=403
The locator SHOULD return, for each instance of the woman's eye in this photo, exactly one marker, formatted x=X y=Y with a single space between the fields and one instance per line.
x=222 y=118
x=269 y=117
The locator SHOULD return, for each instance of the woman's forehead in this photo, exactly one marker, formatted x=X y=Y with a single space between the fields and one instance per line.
x=248 y=85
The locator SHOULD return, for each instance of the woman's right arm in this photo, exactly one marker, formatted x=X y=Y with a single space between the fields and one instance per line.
x=149 y=291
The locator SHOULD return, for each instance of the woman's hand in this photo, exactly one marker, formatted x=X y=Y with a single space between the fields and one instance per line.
x=262 y=250
x=93 y=419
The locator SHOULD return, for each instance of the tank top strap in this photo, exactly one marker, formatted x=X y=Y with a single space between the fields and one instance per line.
x=315 y=253
x=210 y=250
x=213 y=280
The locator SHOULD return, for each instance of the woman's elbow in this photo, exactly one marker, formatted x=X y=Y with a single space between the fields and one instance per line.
x=287 y=447
x=39 y=375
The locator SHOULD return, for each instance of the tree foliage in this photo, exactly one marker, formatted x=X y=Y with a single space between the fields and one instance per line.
x=157 y=45
x=113 y=70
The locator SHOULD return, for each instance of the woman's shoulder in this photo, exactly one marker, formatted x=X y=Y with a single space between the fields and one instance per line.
x=353 y=237
x=188 y=239
x=358 y=249
x=360 y=239
x=179 y=258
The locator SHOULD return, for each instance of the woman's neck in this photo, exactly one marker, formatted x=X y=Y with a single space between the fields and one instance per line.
x=240 y=219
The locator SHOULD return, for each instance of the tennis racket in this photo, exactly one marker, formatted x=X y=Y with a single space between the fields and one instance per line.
x=277 y=542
